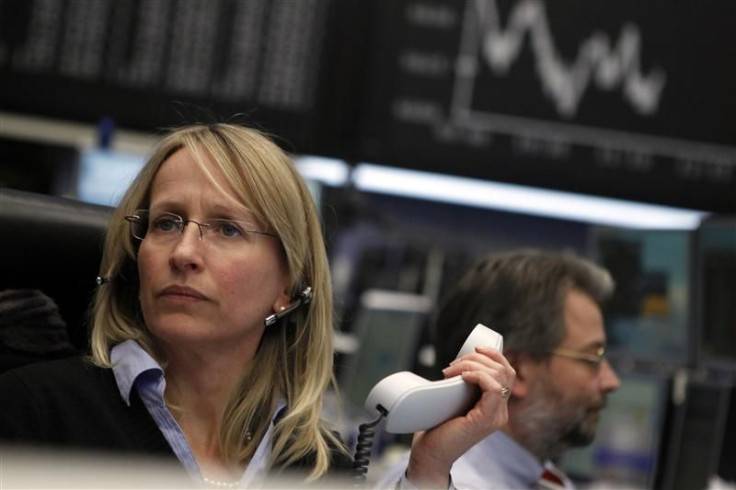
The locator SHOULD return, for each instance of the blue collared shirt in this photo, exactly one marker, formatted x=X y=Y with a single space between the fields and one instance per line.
x=134 y=367
x=496 y=462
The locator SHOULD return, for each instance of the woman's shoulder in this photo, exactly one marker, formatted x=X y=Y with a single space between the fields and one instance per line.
x=74 y=403
x=55 y=367
x=53 y=376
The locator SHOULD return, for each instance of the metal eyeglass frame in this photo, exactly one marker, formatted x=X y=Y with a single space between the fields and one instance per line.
x=181 y=224
x=594 y=359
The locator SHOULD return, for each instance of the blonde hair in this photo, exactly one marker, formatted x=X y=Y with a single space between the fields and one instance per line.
x=294 y=361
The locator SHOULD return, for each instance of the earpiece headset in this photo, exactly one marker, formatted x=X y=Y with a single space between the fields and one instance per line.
x=100 y=280
x=301 y=299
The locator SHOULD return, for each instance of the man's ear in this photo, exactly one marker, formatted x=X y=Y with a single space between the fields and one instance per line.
x=525 y=368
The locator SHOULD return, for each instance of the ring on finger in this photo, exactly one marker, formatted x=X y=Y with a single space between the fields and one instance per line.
x=505 y=393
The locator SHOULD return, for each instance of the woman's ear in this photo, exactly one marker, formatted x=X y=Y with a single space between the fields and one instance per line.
x=282 y=301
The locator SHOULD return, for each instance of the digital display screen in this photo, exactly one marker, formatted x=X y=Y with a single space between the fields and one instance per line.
x=615 y=99
x=717 y=280
x=388 y=326
x=626 y=447
x=104 y=175
x=155 y=64
x=647 y=318
x=619 y=99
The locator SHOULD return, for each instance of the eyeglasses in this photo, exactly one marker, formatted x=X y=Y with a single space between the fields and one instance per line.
x=163 y=227
x=593 y=359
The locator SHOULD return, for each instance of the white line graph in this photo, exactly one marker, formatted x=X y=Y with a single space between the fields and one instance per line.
x=464 y=115
x=600 y=62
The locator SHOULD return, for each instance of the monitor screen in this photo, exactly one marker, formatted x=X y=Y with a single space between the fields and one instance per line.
x=699 y=436
x=648 y=316
x=587 y=96
x=43 y=168
x=618 y=99
x=154 y=64
x=716 y=269
x=388 y=327
x=104 y=175
x=625 y=451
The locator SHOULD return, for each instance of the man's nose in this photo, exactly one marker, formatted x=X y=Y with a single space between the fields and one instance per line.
x=609 y=379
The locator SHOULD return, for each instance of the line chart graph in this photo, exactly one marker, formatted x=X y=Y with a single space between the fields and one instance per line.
x=601 y=62
x=632 y=100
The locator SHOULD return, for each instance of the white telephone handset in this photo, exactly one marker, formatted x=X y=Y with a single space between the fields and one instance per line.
x=412 y=403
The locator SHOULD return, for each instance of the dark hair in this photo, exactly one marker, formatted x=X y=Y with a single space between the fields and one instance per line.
x=519 y=294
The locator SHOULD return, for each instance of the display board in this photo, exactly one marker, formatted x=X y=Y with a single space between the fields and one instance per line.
x=623 y=99
x=153 y=63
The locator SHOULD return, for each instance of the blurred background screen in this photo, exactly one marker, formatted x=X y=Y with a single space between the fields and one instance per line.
x=625 y=451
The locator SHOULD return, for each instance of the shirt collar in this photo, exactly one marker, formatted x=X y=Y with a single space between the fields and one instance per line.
x=129 y=361
x=131 y=364
x=517 y=460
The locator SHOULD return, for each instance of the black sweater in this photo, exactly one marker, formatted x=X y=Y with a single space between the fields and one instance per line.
x=71 y=403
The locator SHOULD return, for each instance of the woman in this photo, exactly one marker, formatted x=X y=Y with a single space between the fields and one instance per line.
x=217 y=234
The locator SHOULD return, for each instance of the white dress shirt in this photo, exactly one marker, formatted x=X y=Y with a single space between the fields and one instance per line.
x=134 y=368
x=497 y=462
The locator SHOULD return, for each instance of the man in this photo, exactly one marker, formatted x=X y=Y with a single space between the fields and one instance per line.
x=547 y=307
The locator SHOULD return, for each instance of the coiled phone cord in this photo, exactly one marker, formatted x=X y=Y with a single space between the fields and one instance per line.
x=363 y=448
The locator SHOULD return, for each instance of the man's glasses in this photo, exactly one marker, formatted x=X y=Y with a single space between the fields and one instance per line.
x=593 y=359
x=163 y=227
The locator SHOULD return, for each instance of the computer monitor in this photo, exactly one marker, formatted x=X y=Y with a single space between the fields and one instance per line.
x=649 y=316
x=716 y=280
x=625 y=452
x=104 y=175
x=703 y=426
x=388 y=328
x=42 y=168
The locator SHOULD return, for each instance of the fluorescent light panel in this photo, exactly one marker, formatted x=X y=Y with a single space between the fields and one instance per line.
x=326 y=170
x=498 y=196
x=521 y=199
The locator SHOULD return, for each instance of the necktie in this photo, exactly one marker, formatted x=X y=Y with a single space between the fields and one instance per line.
x=551 y=480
